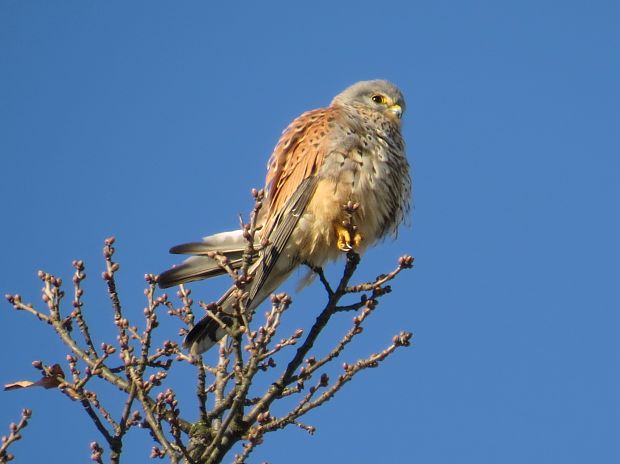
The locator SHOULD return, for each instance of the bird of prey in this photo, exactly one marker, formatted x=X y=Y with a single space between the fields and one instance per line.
x=350 y=151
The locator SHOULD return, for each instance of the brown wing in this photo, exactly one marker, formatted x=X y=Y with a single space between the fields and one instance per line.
x=297 y=156
x=283 y=225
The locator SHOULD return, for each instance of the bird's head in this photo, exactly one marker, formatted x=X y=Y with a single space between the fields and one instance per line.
x=378 y=95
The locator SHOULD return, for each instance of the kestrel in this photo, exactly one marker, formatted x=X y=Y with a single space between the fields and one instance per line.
x=350 y=151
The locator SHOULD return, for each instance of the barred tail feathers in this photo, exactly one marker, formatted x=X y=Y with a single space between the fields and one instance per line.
x=200 y=266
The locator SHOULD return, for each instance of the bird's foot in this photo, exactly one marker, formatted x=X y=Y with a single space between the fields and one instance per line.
x=345 y=241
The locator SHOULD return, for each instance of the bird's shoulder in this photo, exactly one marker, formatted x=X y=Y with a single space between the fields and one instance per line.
x=301 y=151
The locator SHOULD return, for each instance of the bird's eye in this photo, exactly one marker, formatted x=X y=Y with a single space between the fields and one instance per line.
x=379 y=99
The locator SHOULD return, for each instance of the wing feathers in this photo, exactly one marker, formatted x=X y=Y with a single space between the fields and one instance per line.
x=280 y=233
x=230 y=244
x=197 y=268
x=224 y=241
x=291 y=182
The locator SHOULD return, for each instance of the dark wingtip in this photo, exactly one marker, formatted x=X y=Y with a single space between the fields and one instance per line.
x=162 y=283
x=206 y=333
x=167 y=278
x=178 y=249
x=192 y=248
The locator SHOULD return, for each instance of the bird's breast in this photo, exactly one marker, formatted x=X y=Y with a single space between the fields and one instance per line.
x=370 y=175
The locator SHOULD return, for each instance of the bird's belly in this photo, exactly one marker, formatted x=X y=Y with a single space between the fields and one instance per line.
x=315 y=238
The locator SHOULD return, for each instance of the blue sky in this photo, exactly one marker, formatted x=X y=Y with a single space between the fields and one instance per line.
x=151 y=123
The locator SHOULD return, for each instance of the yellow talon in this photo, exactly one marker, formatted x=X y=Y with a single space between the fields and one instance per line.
x=345 y=243
x=344 y=239
x=357 y=240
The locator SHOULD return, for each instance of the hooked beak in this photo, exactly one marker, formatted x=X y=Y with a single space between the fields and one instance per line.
x=396 y=109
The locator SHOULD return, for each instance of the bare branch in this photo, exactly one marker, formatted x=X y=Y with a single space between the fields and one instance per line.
x=15 y=435
x=231 y=408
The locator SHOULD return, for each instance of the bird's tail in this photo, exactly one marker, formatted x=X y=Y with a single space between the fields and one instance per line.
x=208 y=331
x=201 y=266
x=204 y=265
x=267 y=271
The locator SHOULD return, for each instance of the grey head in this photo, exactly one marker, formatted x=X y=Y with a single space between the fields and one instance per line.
x=378 y=95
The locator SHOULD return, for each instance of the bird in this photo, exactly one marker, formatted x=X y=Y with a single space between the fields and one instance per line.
x=350 y=152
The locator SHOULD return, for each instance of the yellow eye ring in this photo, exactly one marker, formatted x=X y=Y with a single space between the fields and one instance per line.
x=379 y=99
